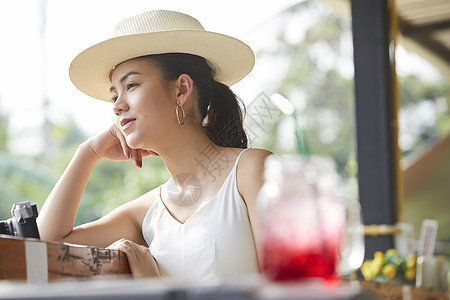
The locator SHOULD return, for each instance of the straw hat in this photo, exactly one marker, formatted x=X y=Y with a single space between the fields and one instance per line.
x=156 y=32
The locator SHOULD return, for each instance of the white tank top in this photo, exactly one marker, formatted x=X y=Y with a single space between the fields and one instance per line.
x=216 y=242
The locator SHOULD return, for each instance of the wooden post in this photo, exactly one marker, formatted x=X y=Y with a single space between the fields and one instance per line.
x=376 y=125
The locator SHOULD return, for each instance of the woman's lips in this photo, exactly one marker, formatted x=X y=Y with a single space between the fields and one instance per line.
x=126 y=123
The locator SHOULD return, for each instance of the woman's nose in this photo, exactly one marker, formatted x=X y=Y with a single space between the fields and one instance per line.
x=120 y=106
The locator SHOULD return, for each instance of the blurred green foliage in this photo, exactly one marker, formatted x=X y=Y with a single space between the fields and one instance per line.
x=22 y=179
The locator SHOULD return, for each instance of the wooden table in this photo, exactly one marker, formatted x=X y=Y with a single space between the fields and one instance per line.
x=37 y=261
x=24 y=261
x=394 y=291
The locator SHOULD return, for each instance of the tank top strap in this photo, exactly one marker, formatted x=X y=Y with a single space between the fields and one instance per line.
x=239 y=157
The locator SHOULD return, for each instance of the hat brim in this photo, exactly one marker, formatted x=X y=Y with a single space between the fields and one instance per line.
x=89 y=71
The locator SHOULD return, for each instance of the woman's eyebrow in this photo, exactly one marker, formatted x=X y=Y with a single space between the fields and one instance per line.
x=125 y=77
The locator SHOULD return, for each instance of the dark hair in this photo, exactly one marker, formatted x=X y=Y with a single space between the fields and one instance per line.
x=219 y=107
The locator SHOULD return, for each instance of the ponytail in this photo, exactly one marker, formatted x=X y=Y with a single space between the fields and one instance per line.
x=219 y=107
x=224 y=120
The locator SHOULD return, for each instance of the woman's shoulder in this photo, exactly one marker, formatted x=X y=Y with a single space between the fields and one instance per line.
x=250 y=173
x=254 y=157
x=248 y=157
x=251 y=164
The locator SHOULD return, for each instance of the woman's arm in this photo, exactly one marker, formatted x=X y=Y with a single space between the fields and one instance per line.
x=57 y=216
x=250 y=180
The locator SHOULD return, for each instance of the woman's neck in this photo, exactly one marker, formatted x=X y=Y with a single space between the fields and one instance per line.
x=191 y=152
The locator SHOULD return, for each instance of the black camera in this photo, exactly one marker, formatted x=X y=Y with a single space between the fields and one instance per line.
x=23 y=221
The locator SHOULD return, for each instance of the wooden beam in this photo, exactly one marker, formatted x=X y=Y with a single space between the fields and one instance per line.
x=408 y=29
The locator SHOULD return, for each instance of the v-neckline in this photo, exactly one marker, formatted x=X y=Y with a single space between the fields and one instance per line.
x=204 y=203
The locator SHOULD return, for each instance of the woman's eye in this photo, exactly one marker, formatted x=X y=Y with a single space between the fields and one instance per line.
x=113 y=99
x=131 y=85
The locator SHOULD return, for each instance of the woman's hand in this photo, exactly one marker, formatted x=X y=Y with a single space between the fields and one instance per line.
x=111 y=145
x=141 y=261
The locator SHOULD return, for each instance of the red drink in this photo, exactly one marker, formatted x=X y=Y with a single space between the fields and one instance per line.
x=301 y=239
x=286 y=262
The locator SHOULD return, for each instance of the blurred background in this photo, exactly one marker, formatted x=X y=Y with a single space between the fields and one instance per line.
x=303 y=51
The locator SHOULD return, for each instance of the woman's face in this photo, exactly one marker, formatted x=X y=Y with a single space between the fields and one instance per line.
x=144 y=103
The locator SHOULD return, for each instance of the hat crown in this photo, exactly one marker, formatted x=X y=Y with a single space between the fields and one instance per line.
x=157 y=20
x=158 y=32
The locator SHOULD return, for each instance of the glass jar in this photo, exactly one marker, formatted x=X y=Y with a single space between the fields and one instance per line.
x=306 y=228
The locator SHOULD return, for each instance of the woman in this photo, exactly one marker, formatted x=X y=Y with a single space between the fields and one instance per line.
x=168 y=80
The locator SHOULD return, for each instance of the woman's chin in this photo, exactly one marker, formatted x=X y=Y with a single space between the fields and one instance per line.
x=138 y=142
x=133 y=143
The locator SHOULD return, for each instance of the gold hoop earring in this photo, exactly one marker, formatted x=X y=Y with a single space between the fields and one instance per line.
x=177 y=112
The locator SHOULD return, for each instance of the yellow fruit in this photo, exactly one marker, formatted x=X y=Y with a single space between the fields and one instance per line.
x=391 y=252
x=390 y=256
x=366 y=270
x=410 y=274
x=389 y=271
x=378 y=255
x=411 y=261
x=376 y=266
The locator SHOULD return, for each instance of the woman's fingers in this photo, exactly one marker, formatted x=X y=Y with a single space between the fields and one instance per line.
x=141 y=261
x=116 y=245
x=136 y=156
x=146 y=153
x=112 y=145
x=126 y=149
